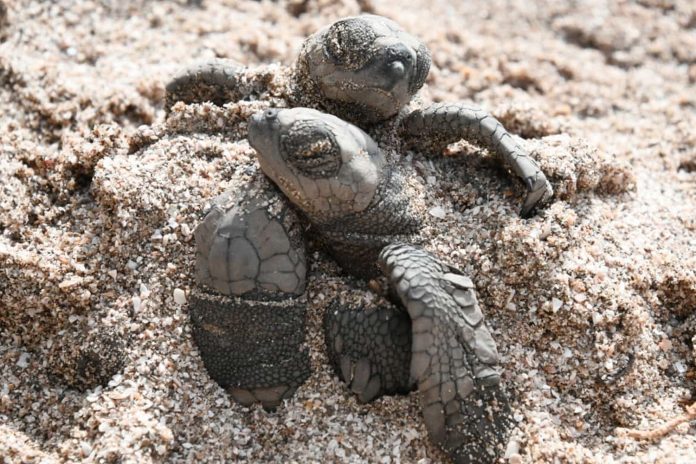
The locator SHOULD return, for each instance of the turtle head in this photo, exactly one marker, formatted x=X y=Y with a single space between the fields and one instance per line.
x=325 y=166
x=363 y=68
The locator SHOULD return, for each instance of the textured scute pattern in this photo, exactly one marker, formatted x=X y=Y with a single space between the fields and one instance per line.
x=389 y=213
x=355 y=240
x=311 y=149
x=251 y=346
x=348 y=42
x=454 y=358
x=370 y=350
x=250 y=244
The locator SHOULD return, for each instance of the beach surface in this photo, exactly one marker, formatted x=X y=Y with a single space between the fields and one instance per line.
x=592 y=302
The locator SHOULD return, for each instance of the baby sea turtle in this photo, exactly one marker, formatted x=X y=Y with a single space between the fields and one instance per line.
x=248 y=312
x=365 y=70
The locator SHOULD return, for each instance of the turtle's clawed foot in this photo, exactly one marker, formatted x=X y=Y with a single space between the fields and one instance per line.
x=454 y=358
x=539 y=191
x=370 y=350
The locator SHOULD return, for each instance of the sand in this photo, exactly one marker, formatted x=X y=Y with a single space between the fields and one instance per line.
x=592 y=302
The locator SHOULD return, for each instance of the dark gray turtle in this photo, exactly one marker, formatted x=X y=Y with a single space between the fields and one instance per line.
x=336 y=175
x=366 y=70
x=248 y=314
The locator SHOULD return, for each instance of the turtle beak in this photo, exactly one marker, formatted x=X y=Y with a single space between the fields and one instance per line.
x=261 y=129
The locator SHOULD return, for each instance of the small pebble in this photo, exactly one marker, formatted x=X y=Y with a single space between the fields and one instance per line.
x=179 y=296
x=438 y=212
x=23 y=360
x=137 y=303
x=556 y=304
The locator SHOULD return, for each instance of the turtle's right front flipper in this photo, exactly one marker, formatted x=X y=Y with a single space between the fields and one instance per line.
x=217 y=81
x=454 y=358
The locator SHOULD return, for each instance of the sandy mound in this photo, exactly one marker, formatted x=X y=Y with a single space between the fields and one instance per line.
x=591 y=302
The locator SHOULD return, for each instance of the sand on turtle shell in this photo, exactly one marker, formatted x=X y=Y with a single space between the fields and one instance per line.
x=592 y=302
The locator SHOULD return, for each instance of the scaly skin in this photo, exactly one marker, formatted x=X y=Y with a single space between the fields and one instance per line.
x=440 y=124
x=265 y=362
x=370 y=350
x=250 y=269
x=217 y=81
x=454 y=358
x=335 y=173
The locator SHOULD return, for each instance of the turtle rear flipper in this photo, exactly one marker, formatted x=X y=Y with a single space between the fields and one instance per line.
x=454 y=358
x=369 y=349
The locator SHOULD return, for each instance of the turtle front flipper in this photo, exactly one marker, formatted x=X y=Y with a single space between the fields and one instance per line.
x=454 y=358
x=370 y=349
x=440 y=124
x=217 y=81
x=248 y=314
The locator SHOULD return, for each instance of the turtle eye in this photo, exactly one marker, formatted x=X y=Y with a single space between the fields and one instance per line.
x=348 y=42
x=422 y=69
x=310 y=148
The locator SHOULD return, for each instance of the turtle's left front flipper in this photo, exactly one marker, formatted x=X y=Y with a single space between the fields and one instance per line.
x=218 y=81
x=443 y=123
x=454 y=358
x=248 y=310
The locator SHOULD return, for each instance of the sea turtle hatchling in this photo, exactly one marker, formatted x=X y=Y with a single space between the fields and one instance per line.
x=365 y=70
x=248 y=312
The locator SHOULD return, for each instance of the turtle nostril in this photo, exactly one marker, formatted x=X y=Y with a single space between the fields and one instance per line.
x=397 y=68
x=271 y=113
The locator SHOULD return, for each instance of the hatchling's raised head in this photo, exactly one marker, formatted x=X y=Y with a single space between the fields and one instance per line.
x=327 y=167
x=363 y=68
